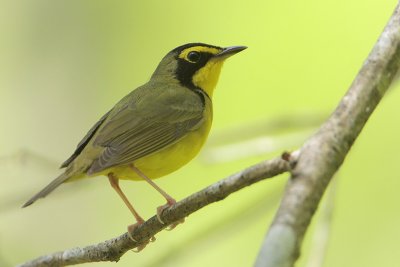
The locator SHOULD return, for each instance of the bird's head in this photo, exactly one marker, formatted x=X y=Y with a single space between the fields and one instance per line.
x=195 y=65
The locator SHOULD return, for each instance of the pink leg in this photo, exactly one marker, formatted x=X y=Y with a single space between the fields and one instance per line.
x=139 y=220
x=170 y=200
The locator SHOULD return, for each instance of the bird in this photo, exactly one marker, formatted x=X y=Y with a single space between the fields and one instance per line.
x=155 y=129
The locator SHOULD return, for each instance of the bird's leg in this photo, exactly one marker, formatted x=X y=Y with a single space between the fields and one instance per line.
x=170 y=200
x=139 y=220
x=115 y=184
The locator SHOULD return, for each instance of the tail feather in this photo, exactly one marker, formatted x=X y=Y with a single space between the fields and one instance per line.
x=48 y=189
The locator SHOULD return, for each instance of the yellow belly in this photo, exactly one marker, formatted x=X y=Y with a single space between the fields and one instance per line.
x=166 y=160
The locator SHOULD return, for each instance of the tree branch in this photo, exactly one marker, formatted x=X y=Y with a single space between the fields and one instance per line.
x=322 y=155
x=113 y=249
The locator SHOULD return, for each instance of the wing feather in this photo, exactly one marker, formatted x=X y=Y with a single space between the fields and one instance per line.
x=82 y=144
x=146 y=125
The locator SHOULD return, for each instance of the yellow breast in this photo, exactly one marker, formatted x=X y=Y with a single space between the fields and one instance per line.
x=171 y=158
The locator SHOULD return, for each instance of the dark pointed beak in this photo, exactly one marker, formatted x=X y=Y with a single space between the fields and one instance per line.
x=230 y=51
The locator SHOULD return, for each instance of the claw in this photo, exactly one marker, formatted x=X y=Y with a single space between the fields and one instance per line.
x=160 y=210
x=175 y=224
x=170 y=202
x=140 y=248
x=132 y=228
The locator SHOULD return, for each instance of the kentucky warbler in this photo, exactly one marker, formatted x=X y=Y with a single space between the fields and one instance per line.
x=154 y=130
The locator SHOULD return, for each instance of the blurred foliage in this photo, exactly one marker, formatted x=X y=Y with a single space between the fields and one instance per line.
x=65 y=63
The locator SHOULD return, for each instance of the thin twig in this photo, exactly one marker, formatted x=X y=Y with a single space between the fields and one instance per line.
x=322 y=155
x=113 y=249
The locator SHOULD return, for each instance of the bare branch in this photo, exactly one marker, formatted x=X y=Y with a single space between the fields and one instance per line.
x=322 y=155
x=113 y=249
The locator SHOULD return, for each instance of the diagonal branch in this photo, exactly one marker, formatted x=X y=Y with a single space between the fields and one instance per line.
x=113 y=249
x=322 y=155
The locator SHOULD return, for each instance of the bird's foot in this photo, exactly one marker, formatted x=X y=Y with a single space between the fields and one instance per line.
x=175 y=224
x=170 y=202
x=160 y=209
x=132 y=228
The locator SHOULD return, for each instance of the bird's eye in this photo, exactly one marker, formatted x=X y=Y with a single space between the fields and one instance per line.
x=194 y=56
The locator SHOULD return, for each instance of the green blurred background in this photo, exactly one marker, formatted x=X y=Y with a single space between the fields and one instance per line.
x=65 y=63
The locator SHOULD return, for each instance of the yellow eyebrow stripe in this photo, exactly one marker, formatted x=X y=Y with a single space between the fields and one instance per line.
x=205 y=49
